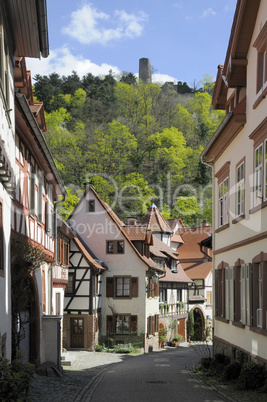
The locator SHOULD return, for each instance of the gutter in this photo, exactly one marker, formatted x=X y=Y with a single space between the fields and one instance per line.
x=215 y=137
x=40 y=139
x=43 y=28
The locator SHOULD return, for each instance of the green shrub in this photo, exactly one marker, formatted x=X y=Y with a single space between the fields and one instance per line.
x=177 y=338
x=100 y=348
x=15 y=378
x=231 y=371
x=221 y=358
x=110 y=342
x=252 y=376
x=123 y=348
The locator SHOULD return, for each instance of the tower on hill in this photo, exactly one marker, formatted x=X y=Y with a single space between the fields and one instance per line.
x=145 y=70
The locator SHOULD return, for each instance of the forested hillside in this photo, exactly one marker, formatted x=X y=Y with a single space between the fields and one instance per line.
x=135 y=143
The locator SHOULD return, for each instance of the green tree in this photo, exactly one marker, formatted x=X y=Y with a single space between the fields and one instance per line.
x=187 y=208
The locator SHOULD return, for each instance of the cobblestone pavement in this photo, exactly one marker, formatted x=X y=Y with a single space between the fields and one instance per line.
x=77 y=378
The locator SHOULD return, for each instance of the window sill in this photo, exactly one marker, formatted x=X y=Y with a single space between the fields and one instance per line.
x=258 y=207
x=238 y=324
x=260 y=331
x=222 y=319
x=221 y=228
x=238 y=219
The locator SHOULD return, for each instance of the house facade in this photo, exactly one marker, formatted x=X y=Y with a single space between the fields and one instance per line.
x=237 y=153
x=196 y=261
x=129 y=298
x=23 y=32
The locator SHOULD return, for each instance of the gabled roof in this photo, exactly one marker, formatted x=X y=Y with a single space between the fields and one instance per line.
x=192 y=238
x=148 y=261
x=155 y=221
x=174 y=222
x=197 y=270
x=159 y=249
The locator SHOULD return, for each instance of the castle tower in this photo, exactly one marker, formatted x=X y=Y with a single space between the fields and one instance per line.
x=145 y=70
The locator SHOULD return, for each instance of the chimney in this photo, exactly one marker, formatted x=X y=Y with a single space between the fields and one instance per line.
x=132 y=222
x=205 y=223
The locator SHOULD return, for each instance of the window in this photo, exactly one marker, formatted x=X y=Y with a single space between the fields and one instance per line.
x=71 y=282
x=40 y=201
x=240 y=189
x=1 y=238
x=209 y=298
x=162 y=294
x=90 y=206
x=152 y=324
x=115 y=247
x=258 y=174
x=122 y=286
x=223 y=202
x=261 y=45
x=32 y=191
x=4 y=75
x=62 y=251
x=122 y=324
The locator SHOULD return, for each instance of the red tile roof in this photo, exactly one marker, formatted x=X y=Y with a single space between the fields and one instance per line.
x=197 y=270
x=159 y=248
x=155 y=221
x=190 y=250
x=180 y=276
x=136 y=232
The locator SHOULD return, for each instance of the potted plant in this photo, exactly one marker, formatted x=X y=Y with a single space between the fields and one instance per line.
x=176 y=340
x=162 y=337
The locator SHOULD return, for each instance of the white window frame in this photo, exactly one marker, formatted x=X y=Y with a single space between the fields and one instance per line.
x=223 y=207
x=258 y=172
x=240 y=173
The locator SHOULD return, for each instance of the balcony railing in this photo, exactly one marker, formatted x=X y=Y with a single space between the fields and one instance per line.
x=60 y=273
x=175 y=309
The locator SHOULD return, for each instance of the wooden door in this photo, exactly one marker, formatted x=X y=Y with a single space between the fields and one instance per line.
x=77 y=332
x=181 y=328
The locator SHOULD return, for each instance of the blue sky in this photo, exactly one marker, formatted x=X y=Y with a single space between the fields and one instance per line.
x=184 y=39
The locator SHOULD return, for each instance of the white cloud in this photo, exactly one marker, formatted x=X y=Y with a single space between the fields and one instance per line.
x=89 y=25
x=208 y=12
x=63 y=62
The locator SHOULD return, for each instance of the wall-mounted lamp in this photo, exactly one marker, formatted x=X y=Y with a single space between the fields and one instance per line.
x=155 y=279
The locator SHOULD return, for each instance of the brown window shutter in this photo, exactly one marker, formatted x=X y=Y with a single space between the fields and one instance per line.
x=133 y=323
x=134 y=287
x=109 y=324
x=157 y=323
x=110 y=287
x=157 y=289
x=153 y=290
x=153 y=324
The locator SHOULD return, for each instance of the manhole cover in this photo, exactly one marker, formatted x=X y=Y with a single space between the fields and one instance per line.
x=156 y=382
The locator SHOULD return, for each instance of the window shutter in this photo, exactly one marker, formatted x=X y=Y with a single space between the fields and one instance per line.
x=157 y=289
x=231 y=292
x=133 y=323
x=157 y=323
x=264 y=293
x=243 y=295
x=248 y=279
x=227 y=294
x=109 y=324
x=134 y=287
x=152 y=285
x=110 y=287
x=216 y=292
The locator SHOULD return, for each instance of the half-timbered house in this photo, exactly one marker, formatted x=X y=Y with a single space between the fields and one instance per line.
x=130 y=303
x=82 y=309
x=34 y=208
x=23 y=32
